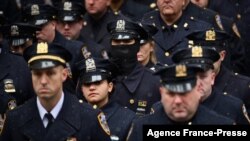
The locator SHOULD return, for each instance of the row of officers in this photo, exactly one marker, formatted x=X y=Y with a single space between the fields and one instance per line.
x=48 y=71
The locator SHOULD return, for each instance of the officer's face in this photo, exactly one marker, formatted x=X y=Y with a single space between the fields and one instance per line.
x=171 y=8
x=47 y=32
x=96 y=7
x=181 y=107
x=201 y=3
x=207 y=81
x=70 y=30
x=97 y=92
x=47 y=83
x=143 y=56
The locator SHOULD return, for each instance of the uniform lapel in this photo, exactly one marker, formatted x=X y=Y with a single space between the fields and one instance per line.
x=67 y=123
x=32 y=126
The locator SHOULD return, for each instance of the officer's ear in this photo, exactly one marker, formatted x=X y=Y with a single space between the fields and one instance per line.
x=222 y=55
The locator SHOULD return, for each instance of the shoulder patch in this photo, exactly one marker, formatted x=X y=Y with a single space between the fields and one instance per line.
x=245 y=113
x=103 y=122
x=2 y=120
x=236 y=30
x=218 y=21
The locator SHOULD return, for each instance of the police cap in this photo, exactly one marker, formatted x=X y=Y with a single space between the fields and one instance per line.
x=70 y=11
x=39 y=14
x=197 y=56
x=151 y=31
x=209 y=38
x=19 y=33
x=179 y=78
x=46 y=55
x=96 y=69
x=123 y=29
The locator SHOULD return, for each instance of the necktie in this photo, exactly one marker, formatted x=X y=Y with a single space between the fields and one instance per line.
x=50 y=120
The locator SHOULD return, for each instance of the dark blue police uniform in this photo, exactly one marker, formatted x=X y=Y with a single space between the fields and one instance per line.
x=203 y=116
x=119 y=119
x=73 y=122
x=15 y=76
x=168 y=37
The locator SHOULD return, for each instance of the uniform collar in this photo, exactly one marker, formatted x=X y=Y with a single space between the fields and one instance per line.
x=55 y=111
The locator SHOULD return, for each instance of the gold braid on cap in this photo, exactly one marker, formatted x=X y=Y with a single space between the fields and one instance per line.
x=49 y=57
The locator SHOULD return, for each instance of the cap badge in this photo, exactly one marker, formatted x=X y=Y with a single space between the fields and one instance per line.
x=90 y=64
x=14 y=30
x=67 y=6
x=120 y=25
x=180 y=71
x=42 y=48
x=210 y=35
x=35 y=9
x=9 y=86
x=196 y=51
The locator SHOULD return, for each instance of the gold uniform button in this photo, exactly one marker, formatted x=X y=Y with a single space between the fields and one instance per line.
x=152 y=5
x=131 y=101
x=225 y=93
x=190 y=123
x=167 y=53
x=116 y=13
x=238 y=16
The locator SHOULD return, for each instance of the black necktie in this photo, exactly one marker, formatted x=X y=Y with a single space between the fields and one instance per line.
x=50 y=120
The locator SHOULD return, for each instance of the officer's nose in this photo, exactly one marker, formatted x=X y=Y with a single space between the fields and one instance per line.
x=66 y=26
x=44 y=79
x=177 y=99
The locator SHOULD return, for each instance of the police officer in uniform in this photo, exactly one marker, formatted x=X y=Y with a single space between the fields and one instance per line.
x=173 y=27
x=96 y=83
x=180 y=88
x=235 y=49
x=136 y=87
x=54 y=114
x=226 y=105
x=44 y=16
x=69 y=24
x=19 y=36
x=97 y=17
x=15 y=77
x=225 y=81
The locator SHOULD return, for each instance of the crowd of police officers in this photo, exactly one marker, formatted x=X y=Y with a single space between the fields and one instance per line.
x=202 y=52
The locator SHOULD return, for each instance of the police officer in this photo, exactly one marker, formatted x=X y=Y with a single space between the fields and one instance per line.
x=97 y=17
x=96 y=83
x=180 y=88
x=225 y=81
x=146 y=55
x=70 y=22
x=235 y=49
x=44 y=16
x=20 y=36
x=173 y=26
x=54 y=114
x=213 y=99
x=136 y=87
x=129 y=8
x=15 y=77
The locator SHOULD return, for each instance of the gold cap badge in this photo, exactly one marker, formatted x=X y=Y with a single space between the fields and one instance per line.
x=180 y=71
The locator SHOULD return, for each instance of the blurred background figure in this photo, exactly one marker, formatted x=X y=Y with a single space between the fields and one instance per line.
x=15 y=77
x=19 y=36
x=146 y=55
x=129 y=8
x=97 y=17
